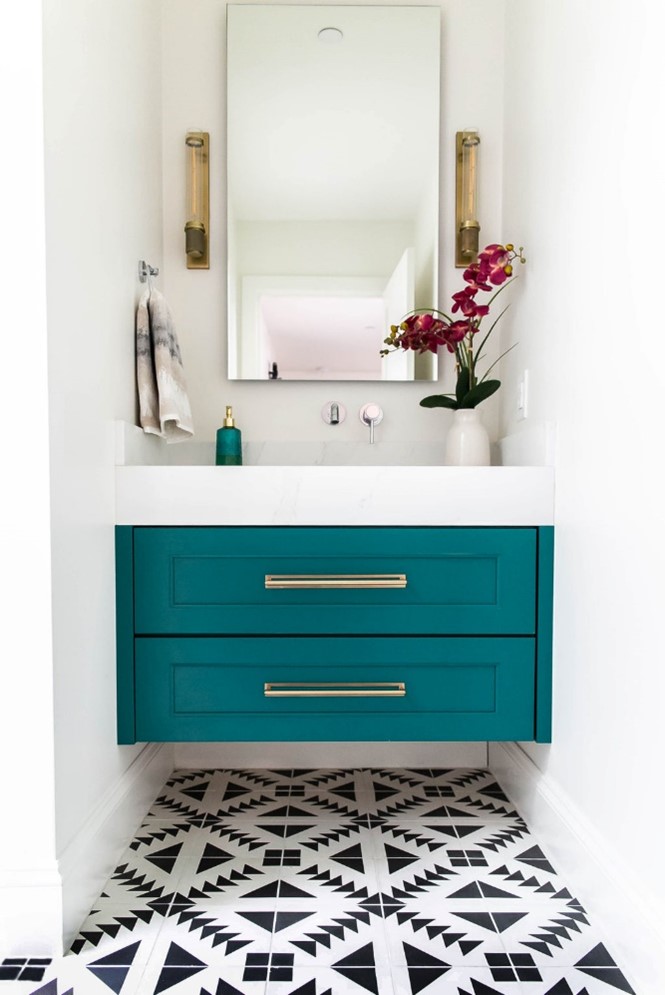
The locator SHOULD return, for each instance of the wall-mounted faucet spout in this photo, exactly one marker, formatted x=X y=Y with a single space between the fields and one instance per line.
x=333 y=413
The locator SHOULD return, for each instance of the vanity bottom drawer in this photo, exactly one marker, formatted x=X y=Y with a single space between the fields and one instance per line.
x=334 y=688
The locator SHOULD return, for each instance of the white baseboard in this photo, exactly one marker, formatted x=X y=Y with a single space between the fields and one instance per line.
x=87 y=861
x=31 y=912
x=266 y=755
x=598 y=876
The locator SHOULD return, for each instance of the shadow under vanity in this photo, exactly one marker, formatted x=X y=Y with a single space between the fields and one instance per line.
x=308 y=623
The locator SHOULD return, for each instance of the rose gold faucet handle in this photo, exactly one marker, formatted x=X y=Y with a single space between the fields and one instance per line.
x=371 y=414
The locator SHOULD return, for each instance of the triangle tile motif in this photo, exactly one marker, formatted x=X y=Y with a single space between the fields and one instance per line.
x=495 y=922
x=494 y=791
x=598 y=964
x=273 y=922
x=398 y=859
x=165 y=859
x=233 y=790
x=113 y=969
x=423 y=968
x=353 y=858
x=197 y=792
x=382 y=791
x=481 y=889
x=212 y=856
x=360 y=968
x=278 y=889
x=536 y=858
x=178 y=966
x=347 y=790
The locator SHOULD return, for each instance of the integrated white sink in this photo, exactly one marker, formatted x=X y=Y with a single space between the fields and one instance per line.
x=350 y=484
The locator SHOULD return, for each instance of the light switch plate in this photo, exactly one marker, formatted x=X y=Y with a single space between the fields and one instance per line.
x=523 y=396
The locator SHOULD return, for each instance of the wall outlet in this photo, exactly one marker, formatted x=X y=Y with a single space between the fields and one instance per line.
x=523 y=396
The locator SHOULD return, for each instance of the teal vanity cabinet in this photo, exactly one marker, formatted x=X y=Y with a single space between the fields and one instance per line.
x=290 y=633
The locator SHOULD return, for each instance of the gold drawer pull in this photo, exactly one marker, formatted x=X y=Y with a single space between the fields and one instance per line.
x=334 y=689
x=334 y=581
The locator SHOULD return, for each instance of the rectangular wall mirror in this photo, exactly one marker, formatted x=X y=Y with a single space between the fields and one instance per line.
x=333 y=180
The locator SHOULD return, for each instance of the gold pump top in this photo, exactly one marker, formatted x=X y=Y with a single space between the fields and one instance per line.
x=228 y=421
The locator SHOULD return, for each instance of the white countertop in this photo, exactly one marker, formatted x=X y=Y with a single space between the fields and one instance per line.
x=334 y=495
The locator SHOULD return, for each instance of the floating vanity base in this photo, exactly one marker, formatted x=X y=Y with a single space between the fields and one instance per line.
x=370 y=634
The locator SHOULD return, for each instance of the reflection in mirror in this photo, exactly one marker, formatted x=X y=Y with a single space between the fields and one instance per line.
x=333 y=175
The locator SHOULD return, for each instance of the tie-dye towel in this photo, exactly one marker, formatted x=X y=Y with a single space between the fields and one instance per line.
x=163 y=403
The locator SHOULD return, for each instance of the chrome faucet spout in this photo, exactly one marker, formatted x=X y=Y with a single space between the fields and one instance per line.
x=333 y=413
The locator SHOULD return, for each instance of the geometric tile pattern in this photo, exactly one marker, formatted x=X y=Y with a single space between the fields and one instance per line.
x=332 y=882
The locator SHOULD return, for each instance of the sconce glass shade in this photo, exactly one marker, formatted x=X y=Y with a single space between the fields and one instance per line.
x=467 y=226
x=198 y=204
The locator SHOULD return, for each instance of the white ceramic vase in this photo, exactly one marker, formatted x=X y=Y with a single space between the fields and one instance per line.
x=467 y=442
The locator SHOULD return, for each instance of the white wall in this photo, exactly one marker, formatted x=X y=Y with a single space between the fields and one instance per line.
x=103 y=198
x=29 y=884
x=583 y=192
x=194 y=40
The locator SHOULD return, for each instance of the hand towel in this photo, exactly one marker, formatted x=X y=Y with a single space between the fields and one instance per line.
x=163 y=403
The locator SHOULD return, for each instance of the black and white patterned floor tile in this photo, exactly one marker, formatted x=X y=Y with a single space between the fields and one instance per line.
x=333 y=882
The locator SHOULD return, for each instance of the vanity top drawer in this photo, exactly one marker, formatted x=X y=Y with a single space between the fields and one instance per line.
x=335 y=580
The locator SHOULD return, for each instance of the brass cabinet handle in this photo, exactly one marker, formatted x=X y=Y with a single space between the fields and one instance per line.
x=334 y=689
x=334 y=581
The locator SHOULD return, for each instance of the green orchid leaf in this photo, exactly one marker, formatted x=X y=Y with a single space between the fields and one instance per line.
x=491 y=329
x=439 y=401
x=514 y=346
x=480 y=393
x=462 y=388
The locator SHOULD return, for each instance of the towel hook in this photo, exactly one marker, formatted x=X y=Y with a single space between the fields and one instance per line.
x=146 y=270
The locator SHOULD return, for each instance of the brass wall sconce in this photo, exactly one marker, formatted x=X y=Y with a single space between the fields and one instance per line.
x=467 y=228
x=197 y=227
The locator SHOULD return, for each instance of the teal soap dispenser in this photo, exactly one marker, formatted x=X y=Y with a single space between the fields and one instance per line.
x=228 y=451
